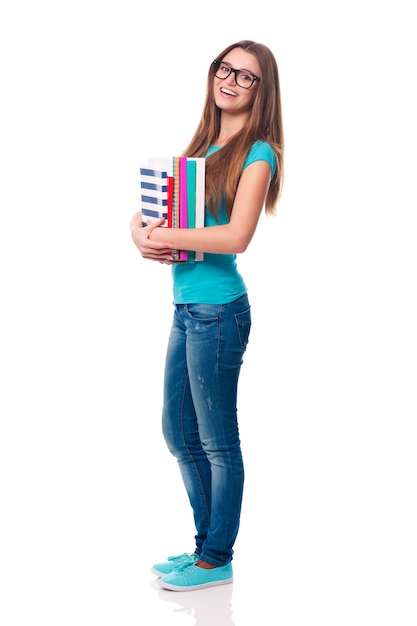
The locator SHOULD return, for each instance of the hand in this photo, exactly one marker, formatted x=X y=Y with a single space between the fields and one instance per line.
x=151 y=250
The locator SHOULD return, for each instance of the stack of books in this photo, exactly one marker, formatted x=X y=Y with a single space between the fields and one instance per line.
x=173 y=188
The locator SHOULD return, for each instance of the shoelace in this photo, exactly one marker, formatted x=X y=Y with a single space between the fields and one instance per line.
x=181 y=561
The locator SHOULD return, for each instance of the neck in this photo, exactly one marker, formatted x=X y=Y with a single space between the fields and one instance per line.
x=230 y=126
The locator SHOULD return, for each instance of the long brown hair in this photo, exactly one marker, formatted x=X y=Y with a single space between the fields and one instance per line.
x=224 y=167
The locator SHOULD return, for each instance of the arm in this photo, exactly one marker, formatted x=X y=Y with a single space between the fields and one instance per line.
x=230 y=238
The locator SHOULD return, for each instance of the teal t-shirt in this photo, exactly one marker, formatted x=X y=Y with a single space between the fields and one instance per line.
x=216 y=280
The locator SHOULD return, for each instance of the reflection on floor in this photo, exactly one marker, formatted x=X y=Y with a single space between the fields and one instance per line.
x=209 y=607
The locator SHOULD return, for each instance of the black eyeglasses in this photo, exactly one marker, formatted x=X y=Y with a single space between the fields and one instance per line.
x=243 y=78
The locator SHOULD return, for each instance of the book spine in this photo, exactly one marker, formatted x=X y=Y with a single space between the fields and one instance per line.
x=191 y=188
x=200 y=185
x=170 y=199
x=175 y=201
x=183 y=205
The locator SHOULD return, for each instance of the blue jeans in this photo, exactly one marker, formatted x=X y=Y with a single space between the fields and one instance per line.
x=204 y=356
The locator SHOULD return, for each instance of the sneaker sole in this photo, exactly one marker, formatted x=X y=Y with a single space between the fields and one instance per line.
x=214 y=583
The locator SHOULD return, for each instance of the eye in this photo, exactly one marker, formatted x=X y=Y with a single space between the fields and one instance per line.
x=224 y=68
x=245 y=77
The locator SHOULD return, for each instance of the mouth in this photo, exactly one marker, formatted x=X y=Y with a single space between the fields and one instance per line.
x=227 y=92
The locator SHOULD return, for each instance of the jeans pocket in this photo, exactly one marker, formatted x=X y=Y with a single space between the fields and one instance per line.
x=202 y=312
x=243 y=325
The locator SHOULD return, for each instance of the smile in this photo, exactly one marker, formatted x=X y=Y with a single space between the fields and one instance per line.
x=228 y=92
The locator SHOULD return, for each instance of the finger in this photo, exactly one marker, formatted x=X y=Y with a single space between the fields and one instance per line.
x=154 y=224
x=158 y=257
x=157 y=251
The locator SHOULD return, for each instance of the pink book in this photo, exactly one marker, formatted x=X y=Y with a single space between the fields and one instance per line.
x=183 y=202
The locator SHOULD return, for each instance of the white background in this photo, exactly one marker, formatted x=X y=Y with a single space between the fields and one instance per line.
x=89 y=494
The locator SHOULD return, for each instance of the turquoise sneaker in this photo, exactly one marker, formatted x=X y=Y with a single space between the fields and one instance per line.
x=192 y=577
x=173 y=564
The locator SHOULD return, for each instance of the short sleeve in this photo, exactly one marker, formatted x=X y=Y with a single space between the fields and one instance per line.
x=262 y=151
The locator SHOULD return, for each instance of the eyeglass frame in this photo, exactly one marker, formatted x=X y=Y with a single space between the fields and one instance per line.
x=235 y=72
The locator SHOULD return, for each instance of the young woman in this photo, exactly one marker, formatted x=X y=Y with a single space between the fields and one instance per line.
x=241 y=136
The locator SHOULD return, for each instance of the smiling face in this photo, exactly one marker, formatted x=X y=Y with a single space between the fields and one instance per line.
x=228 y=95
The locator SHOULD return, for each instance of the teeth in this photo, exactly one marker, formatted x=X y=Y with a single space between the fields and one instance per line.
x=231 y=93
